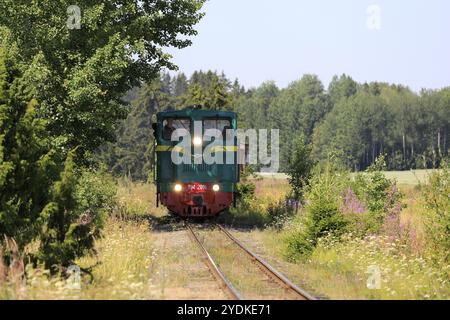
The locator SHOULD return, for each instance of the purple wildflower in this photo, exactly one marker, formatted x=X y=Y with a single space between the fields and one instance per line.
x=351 y=203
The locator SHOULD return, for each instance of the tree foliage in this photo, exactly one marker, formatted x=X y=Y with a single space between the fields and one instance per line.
x=41 y=192
x=28 y=165
x=300 y=167
x=351 y=123
x=437 y=200
x=62 y=92
x=322 y=215
x=80 y=76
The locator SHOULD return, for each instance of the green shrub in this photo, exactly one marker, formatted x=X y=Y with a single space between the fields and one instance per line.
x=280 y=213
x=322 y=215
x=437 y=199
x=335 y=205
x=245 y=192
x=29 y=167
x=380 y=196
x=299 y=168
x=75 y=216
x=250 y=217
x=96 y=191
x=372 y=185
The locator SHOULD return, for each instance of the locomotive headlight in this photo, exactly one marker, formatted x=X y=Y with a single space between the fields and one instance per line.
x=216 y=188
x=178 y=188
x=197 y=141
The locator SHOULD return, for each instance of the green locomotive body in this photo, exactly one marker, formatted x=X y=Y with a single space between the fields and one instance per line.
x=195 y=188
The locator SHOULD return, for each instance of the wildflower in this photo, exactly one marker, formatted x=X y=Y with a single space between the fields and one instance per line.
x=351 y=203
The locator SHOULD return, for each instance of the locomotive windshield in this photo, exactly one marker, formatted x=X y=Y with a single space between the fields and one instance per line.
x=220 y=124
x=172 y=124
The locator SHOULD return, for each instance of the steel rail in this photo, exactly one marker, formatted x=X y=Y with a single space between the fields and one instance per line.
x=212 y=266
x=273 y=272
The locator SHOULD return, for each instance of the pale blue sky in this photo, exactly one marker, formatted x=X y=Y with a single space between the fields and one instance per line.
x=259 y=40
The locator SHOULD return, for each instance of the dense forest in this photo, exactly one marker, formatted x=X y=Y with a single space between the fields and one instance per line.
x=352 y=123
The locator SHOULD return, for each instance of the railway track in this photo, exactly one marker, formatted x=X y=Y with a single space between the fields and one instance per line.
x=225 y=284
x=265 y=267
x=268 y=269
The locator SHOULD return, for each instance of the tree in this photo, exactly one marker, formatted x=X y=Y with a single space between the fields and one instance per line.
x=360 y=128
x=208 y=90
x=321 y=216
x=28 y=166
x=300 y=167
x=132 y=152
x=298 y=110
x=351 y=127
x=40 y=197
x=72 y=218
x=437 y=217
x=342 y=87
x=180 y=85
x=254 y=108
x=434 y=125
x=80 y=76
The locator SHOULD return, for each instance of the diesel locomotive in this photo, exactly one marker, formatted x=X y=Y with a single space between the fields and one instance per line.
x=195 y=187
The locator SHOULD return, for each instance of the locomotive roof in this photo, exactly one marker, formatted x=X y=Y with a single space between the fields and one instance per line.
x=196 y=113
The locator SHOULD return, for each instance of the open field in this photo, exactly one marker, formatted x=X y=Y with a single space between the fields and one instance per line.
x=411 y=177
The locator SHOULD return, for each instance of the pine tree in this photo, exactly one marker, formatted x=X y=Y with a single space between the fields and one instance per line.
x=27 y=165
x=37 y=201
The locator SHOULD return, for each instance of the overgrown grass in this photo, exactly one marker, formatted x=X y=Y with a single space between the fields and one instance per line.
x=341 y=269
x=271 y=190
x=340 y=266
x=127 y=265
x=403 y=275
x=137 y=199
x=121 y=269
x=123 y=264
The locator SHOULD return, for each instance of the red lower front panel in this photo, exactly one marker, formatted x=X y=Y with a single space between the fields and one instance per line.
x=197 y=203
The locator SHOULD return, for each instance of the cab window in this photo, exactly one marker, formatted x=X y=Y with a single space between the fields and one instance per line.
x=220 y=124
x=181 y=126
